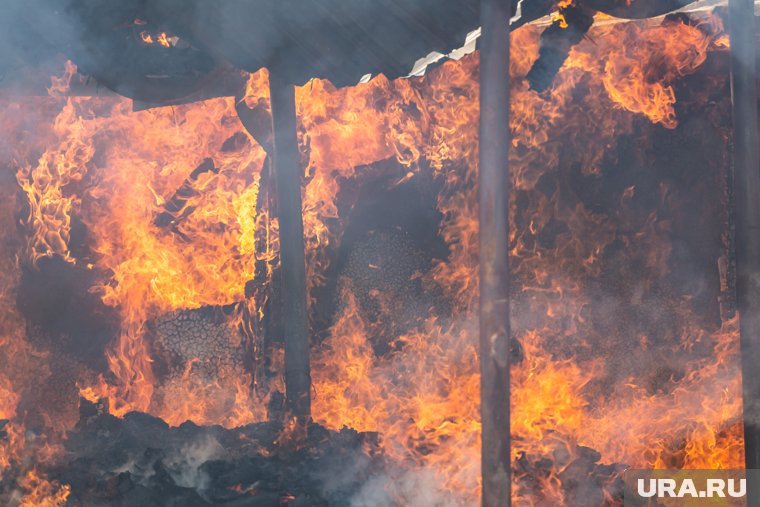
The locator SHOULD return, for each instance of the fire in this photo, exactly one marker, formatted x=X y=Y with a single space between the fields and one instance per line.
x=161 y=38
x=559 y=15
x=175 y=202
x=627 y=76
x=149 y=261
x=39 y=492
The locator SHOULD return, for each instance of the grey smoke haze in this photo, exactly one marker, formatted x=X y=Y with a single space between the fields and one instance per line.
x=35 y=34
x=417 y=487
x=184 y=464
x=341 y=41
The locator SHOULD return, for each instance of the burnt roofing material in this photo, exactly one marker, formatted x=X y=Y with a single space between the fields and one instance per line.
x=337 y=40
x=212 y=41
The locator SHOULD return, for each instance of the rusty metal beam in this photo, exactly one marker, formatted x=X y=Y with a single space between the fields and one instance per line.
x=287 y=175
x=493 y=193
x=746 y=172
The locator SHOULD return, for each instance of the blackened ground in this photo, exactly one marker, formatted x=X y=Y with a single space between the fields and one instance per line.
x=583 y=480
x=141 y=461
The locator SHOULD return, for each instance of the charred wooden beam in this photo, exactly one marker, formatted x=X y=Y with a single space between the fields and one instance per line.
x=493 y=193
x=746 y=169
x=258 y=292
x=556 y=42
x=257 y=121
x=640 y=9
x=176 y=209
x=287 y=175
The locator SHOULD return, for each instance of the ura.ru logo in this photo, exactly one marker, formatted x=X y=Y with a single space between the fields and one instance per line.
x=686 y=488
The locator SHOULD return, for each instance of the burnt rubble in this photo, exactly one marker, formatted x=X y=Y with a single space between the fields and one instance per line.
x=140 y=460
x=579 y=475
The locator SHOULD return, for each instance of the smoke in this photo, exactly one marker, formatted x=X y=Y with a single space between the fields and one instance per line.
x=36 y=36
x=339 y=477
x=407 y=486
x=337 y=40
x=184 y=464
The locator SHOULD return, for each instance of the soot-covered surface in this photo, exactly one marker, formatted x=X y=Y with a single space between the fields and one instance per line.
x=140 y=460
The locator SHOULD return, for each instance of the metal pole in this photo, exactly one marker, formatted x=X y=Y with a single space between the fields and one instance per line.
x=746 y=169
x=493 y=193
x=287 y=173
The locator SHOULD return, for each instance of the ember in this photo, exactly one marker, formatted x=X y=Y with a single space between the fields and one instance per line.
x=149 y=300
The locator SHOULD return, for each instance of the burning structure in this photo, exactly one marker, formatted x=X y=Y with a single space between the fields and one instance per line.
x=221 y=289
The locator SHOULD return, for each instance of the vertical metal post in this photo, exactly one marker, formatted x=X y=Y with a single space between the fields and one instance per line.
x=287 y=173
x=493 y=193
x=746 y=166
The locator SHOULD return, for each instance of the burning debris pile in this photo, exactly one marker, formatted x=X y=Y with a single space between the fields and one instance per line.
x=160 y=227
x=140 y=460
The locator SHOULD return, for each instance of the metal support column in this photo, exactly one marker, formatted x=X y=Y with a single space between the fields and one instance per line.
x=288 y=172
x=493 y=193
x=746 y=169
